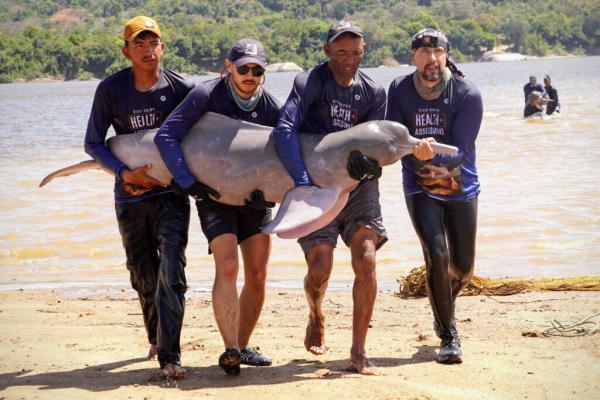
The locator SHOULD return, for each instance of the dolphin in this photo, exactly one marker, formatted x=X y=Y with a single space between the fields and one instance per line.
x=237 y=157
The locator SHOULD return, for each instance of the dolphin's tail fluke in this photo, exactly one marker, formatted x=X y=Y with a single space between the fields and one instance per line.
x=71 y=169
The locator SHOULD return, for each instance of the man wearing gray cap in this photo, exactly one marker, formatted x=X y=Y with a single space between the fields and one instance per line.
x=331 y=97
x=239 y=94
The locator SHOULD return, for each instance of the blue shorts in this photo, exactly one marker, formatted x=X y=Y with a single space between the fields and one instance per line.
x=362 y=209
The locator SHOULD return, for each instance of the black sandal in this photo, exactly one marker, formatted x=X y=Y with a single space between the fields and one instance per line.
x=230 y=361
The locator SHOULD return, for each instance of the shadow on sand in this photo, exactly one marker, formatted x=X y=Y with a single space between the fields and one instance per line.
x=105 y=377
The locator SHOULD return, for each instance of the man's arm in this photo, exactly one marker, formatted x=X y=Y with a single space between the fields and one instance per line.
x=394 y=112
x=95 y=135
x=174 y=128
x=286 y=131
x=465 y=126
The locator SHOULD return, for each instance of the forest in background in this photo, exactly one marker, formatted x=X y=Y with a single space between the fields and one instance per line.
x=82 y=39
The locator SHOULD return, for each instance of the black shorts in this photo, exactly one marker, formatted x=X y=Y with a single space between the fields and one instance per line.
x=362 y=209
x=217 y=219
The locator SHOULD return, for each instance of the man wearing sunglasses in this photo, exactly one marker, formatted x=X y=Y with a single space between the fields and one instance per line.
x=331 y=97
x=239 y=94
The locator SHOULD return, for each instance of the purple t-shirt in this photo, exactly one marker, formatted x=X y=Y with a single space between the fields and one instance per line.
x=317 y=104
x=453 y=118
x=118 y=103
x=215 y=96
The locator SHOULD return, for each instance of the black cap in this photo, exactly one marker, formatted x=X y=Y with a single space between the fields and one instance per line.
x=430 y=37
x=247 y=51
x=343 y=26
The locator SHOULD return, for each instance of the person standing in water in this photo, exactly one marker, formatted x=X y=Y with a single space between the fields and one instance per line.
x=554 y=104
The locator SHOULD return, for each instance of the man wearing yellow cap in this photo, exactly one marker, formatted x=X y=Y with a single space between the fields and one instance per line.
x=153 y=221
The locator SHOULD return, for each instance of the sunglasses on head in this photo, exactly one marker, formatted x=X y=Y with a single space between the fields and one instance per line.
x=256 y=71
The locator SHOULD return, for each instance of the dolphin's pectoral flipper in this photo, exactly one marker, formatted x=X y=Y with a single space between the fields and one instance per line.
x=304 y=206
x=325 y=219
x=73 y=169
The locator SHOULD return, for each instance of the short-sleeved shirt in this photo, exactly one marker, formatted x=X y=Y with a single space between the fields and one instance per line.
x=318 y=104
x=118 y=103
x=453 y=118
x=213 y=95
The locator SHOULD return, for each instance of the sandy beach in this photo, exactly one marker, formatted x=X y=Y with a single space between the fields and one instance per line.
x=60 y=345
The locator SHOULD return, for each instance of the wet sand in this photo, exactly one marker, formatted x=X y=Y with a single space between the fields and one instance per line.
x=56 y=345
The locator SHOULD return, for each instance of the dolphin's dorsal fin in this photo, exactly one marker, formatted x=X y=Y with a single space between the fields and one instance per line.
x=305 y=209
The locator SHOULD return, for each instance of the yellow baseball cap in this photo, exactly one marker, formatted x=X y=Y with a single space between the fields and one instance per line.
x=139 y=24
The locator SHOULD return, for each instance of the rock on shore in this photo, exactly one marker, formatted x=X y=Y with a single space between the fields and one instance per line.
x=495 y=55
x=284 y=67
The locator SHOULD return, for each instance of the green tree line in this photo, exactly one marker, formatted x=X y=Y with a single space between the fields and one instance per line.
x=81 y=39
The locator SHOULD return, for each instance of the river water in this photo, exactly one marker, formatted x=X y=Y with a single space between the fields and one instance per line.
x=539 y=210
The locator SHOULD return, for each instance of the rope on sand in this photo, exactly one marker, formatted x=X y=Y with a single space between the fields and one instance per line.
x=582 y=328
x=414 y=285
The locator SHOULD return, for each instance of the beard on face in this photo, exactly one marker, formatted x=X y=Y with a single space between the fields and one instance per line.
x=432 y=72
x=245 y=86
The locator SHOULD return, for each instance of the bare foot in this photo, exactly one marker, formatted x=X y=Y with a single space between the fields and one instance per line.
x=363 y=366
x=152 y=352
x=173 y=371
x=315 y=336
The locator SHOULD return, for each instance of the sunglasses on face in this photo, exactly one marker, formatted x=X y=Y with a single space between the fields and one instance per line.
x=256 y=71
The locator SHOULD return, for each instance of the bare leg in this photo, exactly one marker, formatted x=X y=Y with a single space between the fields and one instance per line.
x=320 y=263
x=255 y=252
x=225 y=299
x=362 y=247
x=173 y=371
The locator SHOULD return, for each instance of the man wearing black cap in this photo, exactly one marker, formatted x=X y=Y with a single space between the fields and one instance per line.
x=331 y=97
x=238 y=94
x=153 y=221
x=436 y=103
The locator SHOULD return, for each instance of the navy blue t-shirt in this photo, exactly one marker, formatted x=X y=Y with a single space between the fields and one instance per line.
x=453 y=118
x=317 y=104
x=215 y=96
x=118 y=103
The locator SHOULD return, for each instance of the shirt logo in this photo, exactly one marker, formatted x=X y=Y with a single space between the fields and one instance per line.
x=144 y=119
x=343 y=115
x=429 y=122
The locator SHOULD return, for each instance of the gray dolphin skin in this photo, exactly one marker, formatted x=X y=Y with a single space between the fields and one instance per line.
x=236 y=157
